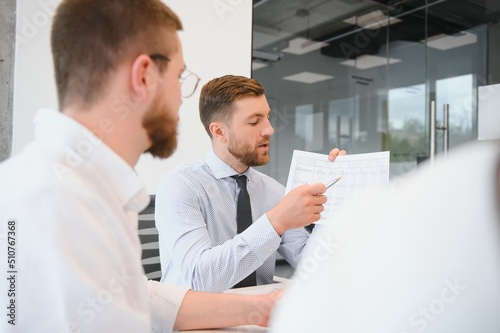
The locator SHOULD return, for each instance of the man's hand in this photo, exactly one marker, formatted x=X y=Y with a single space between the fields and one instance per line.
x=301 y=207
x=264 y=306
x=336 y=152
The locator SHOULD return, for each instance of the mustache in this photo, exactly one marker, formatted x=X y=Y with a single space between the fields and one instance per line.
x=265 y=141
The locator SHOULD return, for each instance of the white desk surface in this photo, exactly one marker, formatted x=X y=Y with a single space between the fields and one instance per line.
x=237 y=329
x=247 y=291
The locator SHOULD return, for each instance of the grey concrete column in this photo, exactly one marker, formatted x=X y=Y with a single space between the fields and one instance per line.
x=494 y=54
x=7 y=48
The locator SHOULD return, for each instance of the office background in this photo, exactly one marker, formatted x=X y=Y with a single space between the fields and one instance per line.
x=362 y=75
x=358 y=74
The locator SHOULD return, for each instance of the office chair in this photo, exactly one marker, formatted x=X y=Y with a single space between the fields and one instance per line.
x=148 y=235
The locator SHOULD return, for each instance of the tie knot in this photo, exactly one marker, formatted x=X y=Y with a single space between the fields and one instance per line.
x=241 y=180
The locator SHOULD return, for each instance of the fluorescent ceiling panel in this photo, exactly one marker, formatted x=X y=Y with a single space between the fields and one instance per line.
x=375 y=19
x=307 y=77
x=445 y=42
x=369 y=61
x=257 y=65
x=301 y=46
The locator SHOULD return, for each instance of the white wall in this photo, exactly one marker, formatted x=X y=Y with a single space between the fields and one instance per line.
x=216 y=41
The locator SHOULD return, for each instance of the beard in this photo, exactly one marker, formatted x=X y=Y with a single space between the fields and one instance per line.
x=161 y=128
x=247 y=154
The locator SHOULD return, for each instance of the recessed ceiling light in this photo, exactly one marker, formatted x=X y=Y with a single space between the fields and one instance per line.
x=375 y=19
x=300 y=46
x=369 y=61
x=445 y=42
x=307 y=77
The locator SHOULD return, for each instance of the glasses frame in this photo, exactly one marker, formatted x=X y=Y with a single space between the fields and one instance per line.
x=186 y=72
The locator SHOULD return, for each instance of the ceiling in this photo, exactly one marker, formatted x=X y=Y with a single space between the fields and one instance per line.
x=295 y=26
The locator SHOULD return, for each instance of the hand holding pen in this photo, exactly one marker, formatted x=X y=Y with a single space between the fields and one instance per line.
x=327 y=185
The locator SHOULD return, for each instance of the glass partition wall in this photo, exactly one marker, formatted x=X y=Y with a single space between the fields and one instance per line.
x=363 y=75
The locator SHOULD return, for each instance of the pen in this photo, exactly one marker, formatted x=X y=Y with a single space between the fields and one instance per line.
x=333 y=181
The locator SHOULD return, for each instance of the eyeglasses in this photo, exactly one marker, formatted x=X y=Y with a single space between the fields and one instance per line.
x=188 y=80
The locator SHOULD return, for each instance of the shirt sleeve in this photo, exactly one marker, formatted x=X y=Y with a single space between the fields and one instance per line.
x=293 y=244
x=187 y=251
x=165 y=301
x=293 y=241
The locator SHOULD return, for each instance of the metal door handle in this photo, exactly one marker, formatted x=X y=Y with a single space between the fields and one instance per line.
x=446 y=114
x=444 y=128
x=433 y=132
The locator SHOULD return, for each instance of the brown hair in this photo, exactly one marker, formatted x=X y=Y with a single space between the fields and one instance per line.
x=217 y=97
x=91 y=37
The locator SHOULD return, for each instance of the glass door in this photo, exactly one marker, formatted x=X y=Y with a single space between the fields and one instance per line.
x=457 y=64
x=438 y=53
x=407 y=118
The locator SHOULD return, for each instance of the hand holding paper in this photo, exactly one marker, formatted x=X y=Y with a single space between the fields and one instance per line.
x=358 y=172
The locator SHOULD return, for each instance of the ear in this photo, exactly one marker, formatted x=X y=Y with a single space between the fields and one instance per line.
x=218 y=131
x=144 y=77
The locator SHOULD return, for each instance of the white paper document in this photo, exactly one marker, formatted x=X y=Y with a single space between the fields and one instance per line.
x=358 y=171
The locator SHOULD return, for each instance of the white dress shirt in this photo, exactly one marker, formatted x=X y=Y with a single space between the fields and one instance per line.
x=77 y=268
x=196 y=219
x=424 y=257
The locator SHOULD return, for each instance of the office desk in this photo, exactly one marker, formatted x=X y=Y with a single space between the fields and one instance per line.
x=238 y=329
x=247 y=291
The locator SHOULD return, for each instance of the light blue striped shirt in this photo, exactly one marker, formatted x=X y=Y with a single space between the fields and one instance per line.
x=196 y=219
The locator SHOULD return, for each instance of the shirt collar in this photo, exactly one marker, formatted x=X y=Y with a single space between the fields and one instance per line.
x=221 y=169
x=81 y=146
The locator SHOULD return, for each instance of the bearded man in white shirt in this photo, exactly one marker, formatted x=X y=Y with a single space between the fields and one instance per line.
x=70 y=200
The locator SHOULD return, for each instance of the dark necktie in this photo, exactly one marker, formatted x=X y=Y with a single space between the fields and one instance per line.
x=244 y=220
